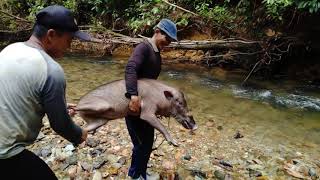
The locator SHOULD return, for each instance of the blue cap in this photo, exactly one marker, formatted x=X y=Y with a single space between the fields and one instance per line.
x=60 y=18
x=169 y=28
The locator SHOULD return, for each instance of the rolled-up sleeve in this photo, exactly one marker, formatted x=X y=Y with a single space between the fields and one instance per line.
x=54 y=104
x=134 y=64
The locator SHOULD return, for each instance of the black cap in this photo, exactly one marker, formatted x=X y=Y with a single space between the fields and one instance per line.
x=60 y=18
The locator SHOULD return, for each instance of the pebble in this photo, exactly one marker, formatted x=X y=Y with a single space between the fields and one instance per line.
x=312 y=172
x=97 y=175
x=86 y=166
x=187 y=157
x=91 y=142
x=219 y=175
x=69 y=147
x=98 y=163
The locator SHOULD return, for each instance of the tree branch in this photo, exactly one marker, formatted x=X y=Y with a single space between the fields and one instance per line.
x=165 y=1
x=16 y=17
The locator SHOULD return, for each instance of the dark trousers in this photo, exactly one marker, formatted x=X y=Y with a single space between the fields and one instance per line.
x=26 y=165
x=142 y=136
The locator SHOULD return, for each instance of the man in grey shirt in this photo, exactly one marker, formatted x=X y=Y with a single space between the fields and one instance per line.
x=32 y=85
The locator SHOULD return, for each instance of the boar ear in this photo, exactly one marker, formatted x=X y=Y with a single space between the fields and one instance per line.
x=168 y=95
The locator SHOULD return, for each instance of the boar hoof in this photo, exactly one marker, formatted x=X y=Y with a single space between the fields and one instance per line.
x=174 y=143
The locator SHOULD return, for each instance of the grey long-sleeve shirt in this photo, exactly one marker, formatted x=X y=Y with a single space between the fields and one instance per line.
x=145 y=62
x=32 y=84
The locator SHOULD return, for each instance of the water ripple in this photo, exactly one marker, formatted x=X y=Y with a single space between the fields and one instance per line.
x=211 y=83
x=288 y=100
x=175 y=75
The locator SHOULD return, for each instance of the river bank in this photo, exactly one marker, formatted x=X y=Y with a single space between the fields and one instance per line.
x=225 y=154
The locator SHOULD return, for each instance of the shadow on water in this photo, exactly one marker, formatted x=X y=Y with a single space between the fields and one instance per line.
x=271 y=113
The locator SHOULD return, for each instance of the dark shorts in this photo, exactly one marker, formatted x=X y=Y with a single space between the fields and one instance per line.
x=26 y=165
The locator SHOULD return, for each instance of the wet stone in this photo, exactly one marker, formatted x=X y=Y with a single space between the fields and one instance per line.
x=295 y=161
x=91 y=142
x=238 y=135
x=228 y=177
x=72 y=172
x=111 y=158
x=122 y=160
x=219 y=175
x=254 y=173
x=98 y=163
x=40 y=136
x=199 y=173
x=72 y=160
x=85 y=166
x=45 y=152
x=225 y=163
x=97 y=176
x=187 y=157
x=116 y=165
x=64 y=166
x=153 y=176
x=312 y=172
x=96 y=152
x=69 y=148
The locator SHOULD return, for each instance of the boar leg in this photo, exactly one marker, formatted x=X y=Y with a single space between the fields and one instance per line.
x=155 y=122
x=95 y=124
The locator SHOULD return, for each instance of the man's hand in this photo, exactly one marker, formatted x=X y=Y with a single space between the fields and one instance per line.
x=134 y=104
x=71 y=109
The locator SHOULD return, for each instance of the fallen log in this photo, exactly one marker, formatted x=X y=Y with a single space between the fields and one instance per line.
x=15 y=36
x=216 y=44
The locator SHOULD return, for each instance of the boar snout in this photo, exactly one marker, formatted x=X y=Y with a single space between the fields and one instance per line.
x=189 y=123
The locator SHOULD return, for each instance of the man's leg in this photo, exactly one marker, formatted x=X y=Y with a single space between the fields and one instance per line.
x=26 y=165
x=142 y=136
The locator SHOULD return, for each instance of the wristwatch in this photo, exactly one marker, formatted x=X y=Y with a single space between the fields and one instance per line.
x=127 y=95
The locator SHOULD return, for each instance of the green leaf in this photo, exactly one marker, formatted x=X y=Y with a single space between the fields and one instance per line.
x=155 y=10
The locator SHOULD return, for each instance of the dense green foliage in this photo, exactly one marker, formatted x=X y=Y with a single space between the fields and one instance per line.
x=139 y=16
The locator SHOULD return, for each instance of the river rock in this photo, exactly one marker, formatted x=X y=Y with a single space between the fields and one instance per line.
x=122 y=160
x=45 y=152
x=254 y=173
x=91 y=142
x=198 y=172
x=72 y=160
x=97 y=176
x=153 y=176
x=98 y=163
x=312 y=172
x=96 y=152
x=69 y=148
x=72 y=172
x=238 y=135
x=187 y=157
x=219 y=174
x=40 y=136
x=111 y=158
x=85 y=166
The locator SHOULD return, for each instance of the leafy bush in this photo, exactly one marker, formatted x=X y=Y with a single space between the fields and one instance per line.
x=276 y=8
x=312 y=5
x=143 y=16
